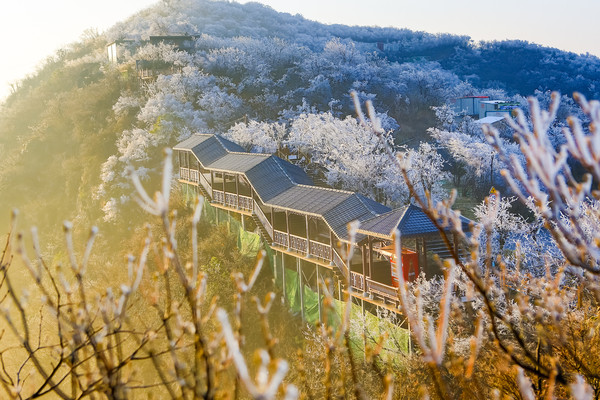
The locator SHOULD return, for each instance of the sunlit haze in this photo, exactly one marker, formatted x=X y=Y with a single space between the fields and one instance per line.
x=32 y=30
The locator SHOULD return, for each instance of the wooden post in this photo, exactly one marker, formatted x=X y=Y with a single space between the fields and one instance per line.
x=364 y=325
x=283 y=273
x=362 y=307
x=364 y=266
x=299 y=269
x=275 y=272
x=287 y=226
x=318 y=292
x=331 y=244
x=237 y=191
x=370 y=257
x=425 y=266
x=307 y=238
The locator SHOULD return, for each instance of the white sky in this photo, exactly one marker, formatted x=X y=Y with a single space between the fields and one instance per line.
x=31 y=30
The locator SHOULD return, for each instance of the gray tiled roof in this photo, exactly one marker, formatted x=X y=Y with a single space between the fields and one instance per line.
x=293 y=171
x=229 y=145
x=191 y=142
x=237 y=162
x=384 y=224
x=209 y=150
x=352 y=208
x=372 y=205
x=281 y=184
x=309 y=199
x=269 y=179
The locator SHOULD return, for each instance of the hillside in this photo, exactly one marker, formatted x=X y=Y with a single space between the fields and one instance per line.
x=160 y=307
x=67 y=134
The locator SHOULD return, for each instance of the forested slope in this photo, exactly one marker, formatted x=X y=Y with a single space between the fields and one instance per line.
x=68 y=132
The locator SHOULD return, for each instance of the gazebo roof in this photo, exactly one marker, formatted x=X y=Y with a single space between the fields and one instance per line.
x=411 y=221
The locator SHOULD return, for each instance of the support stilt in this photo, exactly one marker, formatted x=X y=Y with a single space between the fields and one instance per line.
x=318 y=292
x=301 y=286
x=283 y=274
x=364 y=325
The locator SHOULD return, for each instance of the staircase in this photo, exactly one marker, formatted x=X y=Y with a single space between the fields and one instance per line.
x=204 y=193
x=263 y=232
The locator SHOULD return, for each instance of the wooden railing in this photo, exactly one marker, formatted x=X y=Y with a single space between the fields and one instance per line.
x=218 y=196
x=231 y=200
x=184 y=174
x=263 y=219
x=245 y=203
x=188 y=174
x=194 y=176
x=319 y=250
x=384 y=290
x=357 y=280
x=280 y=238
x=299 y=244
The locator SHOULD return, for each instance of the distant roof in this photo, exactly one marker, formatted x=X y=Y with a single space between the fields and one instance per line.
x=489 y=120
x=500 y=102
x=281 y=184
x=175 y=36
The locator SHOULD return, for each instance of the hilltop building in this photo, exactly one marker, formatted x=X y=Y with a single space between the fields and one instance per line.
x=496 y=108
x=118 y=50
x=122 y=49
x=479 y=107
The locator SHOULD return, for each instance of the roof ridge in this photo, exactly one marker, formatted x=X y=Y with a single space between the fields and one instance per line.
x=392 y=211
x=247 y=153
x=366 y=206
x=284 y=171
x=360 y=196
x=402 y=217
x=326 y=188
x=220 y=139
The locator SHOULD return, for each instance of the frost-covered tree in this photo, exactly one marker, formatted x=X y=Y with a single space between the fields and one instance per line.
x=346 y=153
x=475 y=164
x=426 y=171
x=349 y=157
x=502 y=227
x=257 y=137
